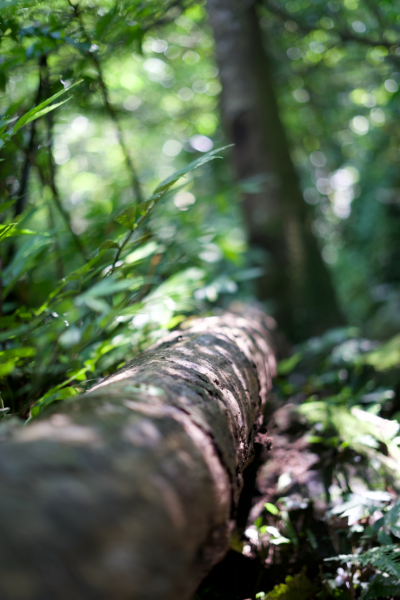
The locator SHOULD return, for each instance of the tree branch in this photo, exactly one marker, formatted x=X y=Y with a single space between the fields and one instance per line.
x=345 y=35
x=49 y=129
x=56 y=197
x=113 y=116
x=108 y=106
x=166 y=20
x=23 y=187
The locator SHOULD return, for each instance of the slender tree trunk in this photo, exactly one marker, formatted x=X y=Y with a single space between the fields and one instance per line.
x=277 y=216
x=129 y=492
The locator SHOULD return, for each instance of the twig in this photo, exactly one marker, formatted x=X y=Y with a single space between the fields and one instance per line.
x=23 y=188
x=59 y=262
x=56 y=198
x=119 y=251
x=109 y=108
x=113 y=116
x=155 y=261
x=130 y=234
x=49 y=129
x=345 y=35
x=166 y=20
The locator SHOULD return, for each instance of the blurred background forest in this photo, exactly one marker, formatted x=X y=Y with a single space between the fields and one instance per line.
x=102 y=101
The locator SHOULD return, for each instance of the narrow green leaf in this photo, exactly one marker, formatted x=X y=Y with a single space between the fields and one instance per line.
x=108 y=244
x=5 y=205
x=199 y=162
x=7 y=368
x=287 y=365
x=143 y=206
x=62 y=394
x=271 y=508
x=6 y=230
x=12 y=333
x=96 y=304
x=141 y=253
x=17 y=353
x=109 y=286
x=16 y=231
x=43 y=112
x=127 y=218
x=37 y=111
x=86 y=268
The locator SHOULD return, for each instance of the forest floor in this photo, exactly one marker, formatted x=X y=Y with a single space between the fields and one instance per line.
x=318 y=517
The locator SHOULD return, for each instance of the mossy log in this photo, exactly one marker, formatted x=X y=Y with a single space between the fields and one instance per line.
x=129 y=492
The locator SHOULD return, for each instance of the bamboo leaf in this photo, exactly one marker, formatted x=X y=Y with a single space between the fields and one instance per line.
x=128 y=217
x=165 y=185
x=38 y=110
x=6 y=230
x=5 y=205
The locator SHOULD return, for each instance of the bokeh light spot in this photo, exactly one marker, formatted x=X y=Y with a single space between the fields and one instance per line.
x=159 y=46
x=185 y=94
x=172 y=148
x=318 y=159
x=79 y=124
x=132 y=103
x=294 y=53
x=201 y=143
x=359 y=125
x=391 y=86
x=183 y=200
x=359 y=26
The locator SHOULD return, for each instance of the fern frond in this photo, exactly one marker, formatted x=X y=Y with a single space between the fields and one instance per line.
x=384 y=558
x=382 y=587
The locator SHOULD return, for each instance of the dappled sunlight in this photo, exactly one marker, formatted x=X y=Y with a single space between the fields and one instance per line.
x=60 y=428
x=199 y=300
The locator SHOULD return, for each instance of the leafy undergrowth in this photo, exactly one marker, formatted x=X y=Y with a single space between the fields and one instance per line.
x=91 y=319
x=325 y=519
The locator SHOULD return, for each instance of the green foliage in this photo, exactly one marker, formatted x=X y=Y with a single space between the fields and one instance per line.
x=336 y=67
x=91 y=273
x=35 y=113
x=42 y=109
x=382 y=587
x=387 y=356
x=94 y=267
x=100 y=302
x=359 y=505
x=344 y=389
x=384 y=558
x=271 y=508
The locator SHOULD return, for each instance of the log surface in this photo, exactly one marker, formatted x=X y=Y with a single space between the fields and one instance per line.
x=129 y=492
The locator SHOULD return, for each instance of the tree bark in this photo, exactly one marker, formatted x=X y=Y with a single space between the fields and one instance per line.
x=129 y=491
x=277 y=216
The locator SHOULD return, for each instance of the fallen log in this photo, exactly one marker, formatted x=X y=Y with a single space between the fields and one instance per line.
x=129 y=491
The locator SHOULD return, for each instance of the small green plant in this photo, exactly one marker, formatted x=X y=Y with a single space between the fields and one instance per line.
x=343 y=388
x=298 y=587
x=90 y=304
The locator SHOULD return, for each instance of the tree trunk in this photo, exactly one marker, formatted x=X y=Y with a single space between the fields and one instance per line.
x=277 y=216
x=129 y=491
